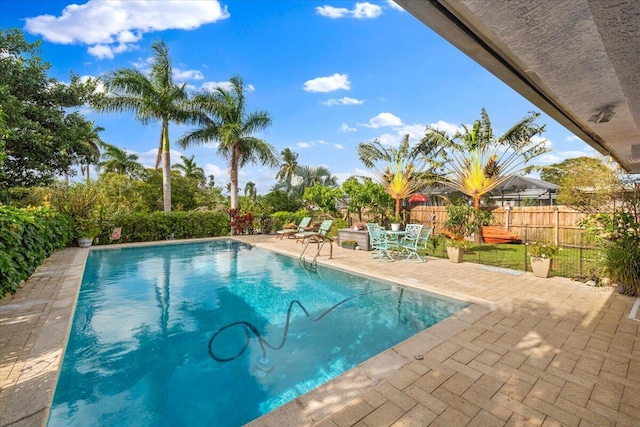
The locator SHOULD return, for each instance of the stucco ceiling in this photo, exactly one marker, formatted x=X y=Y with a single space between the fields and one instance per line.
x=570 y=58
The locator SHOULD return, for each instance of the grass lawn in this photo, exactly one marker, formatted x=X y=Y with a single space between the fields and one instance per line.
x=570 y=262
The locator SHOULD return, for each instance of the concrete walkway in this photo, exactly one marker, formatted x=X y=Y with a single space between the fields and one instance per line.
x=527 y=351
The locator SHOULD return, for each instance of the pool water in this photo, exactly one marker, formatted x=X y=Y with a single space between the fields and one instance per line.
x=219 y=333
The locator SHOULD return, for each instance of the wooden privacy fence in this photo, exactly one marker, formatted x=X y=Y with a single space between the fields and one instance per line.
x=552 y=224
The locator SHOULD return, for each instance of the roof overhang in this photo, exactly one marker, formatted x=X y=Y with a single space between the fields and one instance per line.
x=576 y=60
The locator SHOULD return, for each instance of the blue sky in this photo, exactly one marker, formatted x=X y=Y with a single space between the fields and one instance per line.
x=331 y=73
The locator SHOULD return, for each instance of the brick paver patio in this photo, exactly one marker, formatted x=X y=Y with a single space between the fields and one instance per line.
x=527 y=351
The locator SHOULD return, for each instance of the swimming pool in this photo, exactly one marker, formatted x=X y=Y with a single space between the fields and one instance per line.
x=184 y=334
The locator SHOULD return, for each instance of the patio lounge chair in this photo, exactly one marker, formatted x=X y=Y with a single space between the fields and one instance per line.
x=289 y=232
x=411 y=240
x=319 y=237
x=322 y=232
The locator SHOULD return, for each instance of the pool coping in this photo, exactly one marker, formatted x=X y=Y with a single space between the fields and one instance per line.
x=36 y=321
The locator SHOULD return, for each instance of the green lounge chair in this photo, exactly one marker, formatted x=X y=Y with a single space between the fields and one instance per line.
x=289 y=232
x=321 y=234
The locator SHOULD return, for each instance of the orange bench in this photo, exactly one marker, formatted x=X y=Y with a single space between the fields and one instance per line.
x=493 y=234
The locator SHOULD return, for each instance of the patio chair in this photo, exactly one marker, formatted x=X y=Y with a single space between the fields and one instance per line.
x=290 y=232
x=424 y=237
x=322 y=232
x=380 y=243
x=319 y=237
x=410 y=241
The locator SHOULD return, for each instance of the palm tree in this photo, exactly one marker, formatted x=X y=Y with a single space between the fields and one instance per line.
x=288 y=166
x=224 y=119
x=117 y=160
x=479 y=162
x=190 y=169
x=404 y=170
x=151 y=98
x=250 y=190
x=92 y=144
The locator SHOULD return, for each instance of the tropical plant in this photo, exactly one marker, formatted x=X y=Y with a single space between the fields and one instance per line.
x=478 y=161
x=404 y=170
x=289 y=165
x=152 y=98
x=618 y=238
x=542 y=250
x=223 y=118
x=117 y=160
x=92 y=145
x=250 y=190
x=191 y=170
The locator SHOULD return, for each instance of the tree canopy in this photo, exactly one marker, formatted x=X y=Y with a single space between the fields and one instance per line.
x=43 y=134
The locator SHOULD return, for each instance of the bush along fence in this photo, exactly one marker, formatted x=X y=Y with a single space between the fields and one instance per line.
x=146 y=227
x=27 y=238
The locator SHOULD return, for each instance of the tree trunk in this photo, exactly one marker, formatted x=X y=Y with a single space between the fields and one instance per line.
x=166 y=170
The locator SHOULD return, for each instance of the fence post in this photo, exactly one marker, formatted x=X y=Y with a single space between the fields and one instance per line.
x=556 y=226
x=526 y=241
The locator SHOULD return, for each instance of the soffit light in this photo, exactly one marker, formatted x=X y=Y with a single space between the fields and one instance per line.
x=603 y=116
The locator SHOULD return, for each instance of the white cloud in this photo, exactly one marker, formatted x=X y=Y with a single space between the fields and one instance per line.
x=101 y=51
x=182 y=75
x=338 y=146
x=345 y=128
x=367 y=11
x=211 y=86
x=303 y=145
x=559 y=156
x=328 y=84
x=383 y=119
x=360 y=11
x=110 y=27
x=333 y=12
x=345 y=100
x=221 y=174
x=394 y=5
x=572 y=138
x=449 y=128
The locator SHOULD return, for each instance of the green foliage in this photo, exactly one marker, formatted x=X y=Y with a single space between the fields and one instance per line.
x=42 y=134
x=586 y=184
x=27 y=237
x=460 y=220
x=366 y=195
x=322 y=196
x=145 y=227
x=542 y=250
x=618 y=239
x=280 y=201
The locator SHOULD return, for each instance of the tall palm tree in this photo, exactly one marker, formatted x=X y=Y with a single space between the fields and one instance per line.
x=152 y=98
x=190 y=169
x=404 y=170
x=92 y=144
x=288 y=166
x=308 y=176
x=117 y=160
x=250 y=190
x=224 y=120
x=479 y=161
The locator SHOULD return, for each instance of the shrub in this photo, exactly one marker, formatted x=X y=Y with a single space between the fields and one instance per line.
x=27 y=237
x=144 y=227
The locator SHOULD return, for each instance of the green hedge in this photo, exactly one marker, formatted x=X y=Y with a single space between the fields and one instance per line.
x=27 y=237
x=145 y=227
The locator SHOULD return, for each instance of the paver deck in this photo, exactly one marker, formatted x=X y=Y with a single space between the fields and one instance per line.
x=527 y=351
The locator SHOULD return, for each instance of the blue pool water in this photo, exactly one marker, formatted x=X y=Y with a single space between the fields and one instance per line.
x=152 y=325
